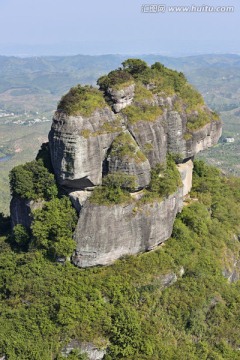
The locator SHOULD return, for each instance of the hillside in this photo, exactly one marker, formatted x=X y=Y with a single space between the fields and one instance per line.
x=180 y=301
x=129 y=146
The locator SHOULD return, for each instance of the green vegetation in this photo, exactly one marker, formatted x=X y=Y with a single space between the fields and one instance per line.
x=130 y=307
x=135 y=66
x=161 y=81
x=165 y=180
x=125 y=148
x=32 y=181
x=53 y=227
x=198 y=120
x=144 y=113
x=116 y=79
x=82 y=100
x=107 y=128
x=142 y=94
x=115 y=189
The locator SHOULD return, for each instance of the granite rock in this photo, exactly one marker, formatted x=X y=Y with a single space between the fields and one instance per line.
x=121 y=97
x=195 y=141
x=79 y=145
x=185 y=170
x=78 y=198
x=88 y=348
x=105 y=233
x=126 y=157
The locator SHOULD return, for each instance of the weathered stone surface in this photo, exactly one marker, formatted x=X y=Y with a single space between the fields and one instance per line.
x=92 y=352
x=21 y=210
x=199 y=140
x=78 y=146
x=105 y=233
x=121 y=98
x=151 y=137
x=168 y=280
x=78 y=198
x=126 y=157
x=204 y=138
x=185 y=170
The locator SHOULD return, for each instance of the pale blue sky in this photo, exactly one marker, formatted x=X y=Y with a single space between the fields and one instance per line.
x=104 y=26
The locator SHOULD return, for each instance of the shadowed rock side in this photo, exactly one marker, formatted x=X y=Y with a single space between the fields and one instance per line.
x=105 y=233
x=21 y=210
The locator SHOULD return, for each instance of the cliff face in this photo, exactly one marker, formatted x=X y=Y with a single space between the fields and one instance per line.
x=104 y=233
x=79 y=145
x=197 y=140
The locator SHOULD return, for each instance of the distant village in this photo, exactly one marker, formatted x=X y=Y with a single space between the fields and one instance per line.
x=22 y=119
x=228 y=140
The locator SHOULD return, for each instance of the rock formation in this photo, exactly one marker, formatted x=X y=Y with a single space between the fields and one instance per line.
x=105 y=233
x=121 y=132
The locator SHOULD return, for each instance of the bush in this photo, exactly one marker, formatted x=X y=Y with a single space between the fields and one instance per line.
x=115 y=189
x=115 y=79
x=53 y=227
x=82 y=100
x=21 y=236
x=125 y=148
x=32 y=181
x=143 y=112
x=165 y=179
x=134 y=66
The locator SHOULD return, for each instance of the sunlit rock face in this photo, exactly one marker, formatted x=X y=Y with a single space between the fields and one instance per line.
x=105 y=233
x=79 y=145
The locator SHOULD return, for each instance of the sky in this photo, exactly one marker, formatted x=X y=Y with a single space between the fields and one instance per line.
x=68 y=27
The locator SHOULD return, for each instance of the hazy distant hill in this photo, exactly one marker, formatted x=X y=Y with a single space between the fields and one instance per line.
x=216 y=76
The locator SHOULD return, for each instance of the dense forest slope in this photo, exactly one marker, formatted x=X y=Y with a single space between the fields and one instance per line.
x=180 y=301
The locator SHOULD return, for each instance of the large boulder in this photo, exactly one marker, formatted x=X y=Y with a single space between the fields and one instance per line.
x=121 y=97
x=105 y=233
